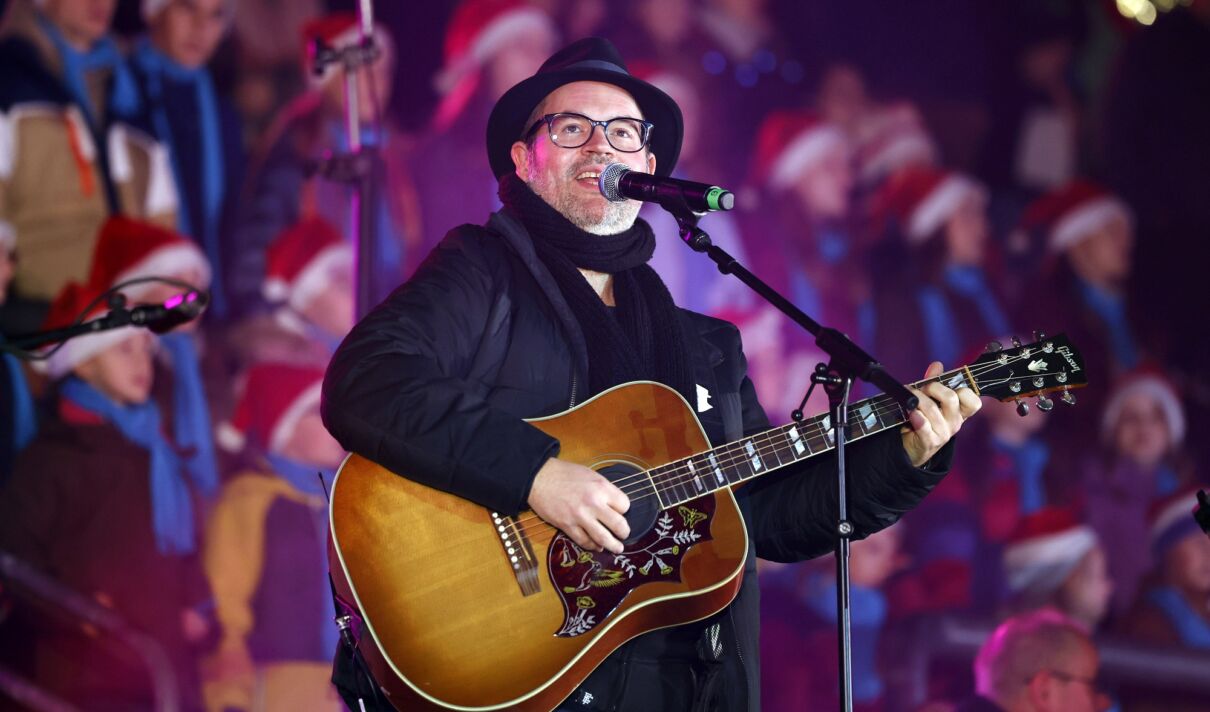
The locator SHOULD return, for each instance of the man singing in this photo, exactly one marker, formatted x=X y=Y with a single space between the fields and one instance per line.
x=550 y=303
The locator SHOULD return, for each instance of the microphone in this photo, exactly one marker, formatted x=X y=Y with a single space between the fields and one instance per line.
x=617 y=182
x=162 y=318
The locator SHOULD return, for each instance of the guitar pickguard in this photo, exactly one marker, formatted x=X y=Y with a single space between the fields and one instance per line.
x=592 y=585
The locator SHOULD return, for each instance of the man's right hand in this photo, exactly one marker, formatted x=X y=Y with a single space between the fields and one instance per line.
x=582 y=503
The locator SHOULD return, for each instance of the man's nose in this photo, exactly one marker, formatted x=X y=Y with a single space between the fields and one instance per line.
x=597 y=143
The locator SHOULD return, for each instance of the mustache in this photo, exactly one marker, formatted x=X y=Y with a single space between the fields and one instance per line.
x=587 y=165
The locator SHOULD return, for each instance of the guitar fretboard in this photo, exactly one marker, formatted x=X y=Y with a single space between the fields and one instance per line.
x=750 y=457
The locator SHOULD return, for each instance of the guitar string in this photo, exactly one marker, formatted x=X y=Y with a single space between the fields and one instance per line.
x=733 y=453
x=730 y=454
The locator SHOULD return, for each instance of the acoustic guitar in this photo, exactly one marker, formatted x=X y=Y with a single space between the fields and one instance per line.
x=468 y=609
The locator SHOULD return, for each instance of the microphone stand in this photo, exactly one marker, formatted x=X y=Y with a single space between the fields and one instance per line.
x=847 y=362
x=119 y=315
x=359 y=167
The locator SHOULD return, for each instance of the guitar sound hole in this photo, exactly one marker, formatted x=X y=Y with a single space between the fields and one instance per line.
x=643 y=509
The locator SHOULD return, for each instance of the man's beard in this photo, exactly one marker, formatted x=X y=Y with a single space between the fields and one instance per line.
x=609 y=219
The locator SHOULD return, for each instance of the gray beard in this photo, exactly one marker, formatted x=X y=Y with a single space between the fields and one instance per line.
x=617 y=217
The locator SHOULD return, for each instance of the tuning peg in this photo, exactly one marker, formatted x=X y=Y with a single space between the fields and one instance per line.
x=1068 y=397
x=1016 y=342
x=1062 y=377
x=1022 y=408
x=993 y=347
x=1045 y=404
x=1015 y=386
x=1039 y=335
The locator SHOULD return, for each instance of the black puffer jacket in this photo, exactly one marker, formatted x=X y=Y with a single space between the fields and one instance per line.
x=435 y=383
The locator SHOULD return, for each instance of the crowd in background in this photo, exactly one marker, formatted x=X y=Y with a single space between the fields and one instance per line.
x=926 y=179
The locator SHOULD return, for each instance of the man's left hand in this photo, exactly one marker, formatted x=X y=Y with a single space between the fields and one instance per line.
x=937 y=418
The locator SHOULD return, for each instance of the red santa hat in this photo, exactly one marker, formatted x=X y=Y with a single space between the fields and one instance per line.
x=1074 y=212
x=150 y=9
x=923 y=199
x=1045 y=548
x=1171 y=520
x=894 y=138
x=478 y=30
x=1151 y=382
x=299 y=262
x=338 y=30
x=790 y=143
x=129 y=249
x=68 y=306
x=276 y=396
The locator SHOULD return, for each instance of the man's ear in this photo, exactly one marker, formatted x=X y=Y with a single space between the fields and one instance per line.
x=520 y=155
x=651 y=162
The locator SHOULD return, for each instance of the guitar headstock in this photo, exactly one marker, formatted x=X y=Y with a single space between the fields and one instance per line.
x=1048 y=365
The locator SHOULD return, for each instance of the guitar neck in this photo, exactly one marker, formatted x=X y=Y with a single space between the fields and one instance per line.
x=750 y=457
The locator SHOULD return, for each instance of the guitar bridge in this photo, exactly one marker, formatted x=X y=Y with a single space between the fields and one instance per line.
x=518 y=551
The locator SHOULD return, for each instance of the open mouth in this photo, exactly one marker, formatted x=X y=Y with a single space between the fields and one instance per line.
x=588 y=178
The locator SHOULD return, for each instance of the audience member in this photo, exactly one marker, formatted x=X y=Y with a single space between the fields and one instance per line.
x=130 y=249
x=268 y=75
x=928 y=271
x=1040 y=661
x=282 y=187
x=1052 y=560
x=99 y=500
x=1140 y=462
x=309 y=284
x=200 y=129
x=74 y=152
x=266 y=551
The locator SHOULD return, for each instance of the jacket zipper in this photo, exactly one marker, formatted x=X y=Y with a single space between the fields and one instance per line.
x=572 y=404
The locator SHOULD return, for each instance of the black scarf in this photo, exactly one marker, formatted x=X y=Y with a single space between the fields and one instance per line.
x=644 y=339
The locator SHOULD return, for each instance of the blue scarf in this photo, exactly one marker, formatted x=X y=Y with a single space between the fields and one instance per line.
x=25 y=419
x=940 y=326
x=1029 y=465
x=171 y=506
x=158 y=68
x=1193 y=629
x=123 y=95
x=868 y=608
x=1111 y=309
x=305 y=479
x=191 y=426
x=389 y=250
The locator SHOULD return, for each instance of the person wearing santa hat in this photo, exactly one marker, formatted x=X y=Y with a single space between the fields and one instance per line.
x=490 y=45
x=1175 y=609
x=1141 y=460
x=928 y=271
x=799 y=232
x=265 y=550
x=309 y=285
x=75 y=148
x=1054 y=560
x=199 y=127
x=101 y=502
x=129 y=249
x=283 y=186
x=17 y=410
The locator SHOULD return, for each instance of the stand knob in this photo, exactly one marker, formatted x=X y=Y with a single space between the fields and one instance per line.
x=1068 y=397
x=1045 y=404
x=1022 y=408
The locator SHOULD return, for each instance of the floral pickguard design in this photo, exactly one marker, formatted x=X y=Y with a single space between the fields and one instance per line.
x=592 y=585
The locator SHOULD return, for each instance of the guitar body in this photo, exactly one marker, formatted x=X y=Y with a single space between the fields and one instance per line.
x=451 y=621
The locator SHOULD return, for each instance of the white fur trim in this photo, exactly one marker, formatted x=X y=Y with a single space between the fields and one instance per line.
x=1158 y=389
x=1046 y=561
x=229 y=437
x=275 y=290
x=305 y=401
x=119 y=154
x=903 y=149
x=166 y=262
x=8 y=146
x=505 y=29
x=939 y=205
x=81 y=348
x=290 y=320
x=83 y=136
x=314 y=277
x=161 y=186
x=8 y=235
x=1085 y=220
x=803 y=152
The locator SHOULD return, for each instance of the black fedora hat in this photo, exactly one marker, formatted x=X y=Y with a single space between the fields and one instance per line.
x=588 y=60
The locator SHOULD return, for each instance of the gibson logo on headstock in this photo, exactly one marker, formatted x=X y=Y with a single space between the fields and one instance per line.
x=1065 y=352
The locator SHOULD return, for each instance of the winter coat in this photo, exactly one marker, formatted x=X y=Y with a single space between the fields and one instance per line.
x=434 y=384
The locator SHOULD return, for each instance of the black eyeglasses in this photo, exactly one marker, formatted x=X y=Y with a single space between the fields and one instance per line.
x=574 y=130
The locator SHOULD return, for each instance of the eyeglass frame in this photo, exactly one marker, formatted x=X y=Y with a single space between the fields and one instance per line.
x=548 y=119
